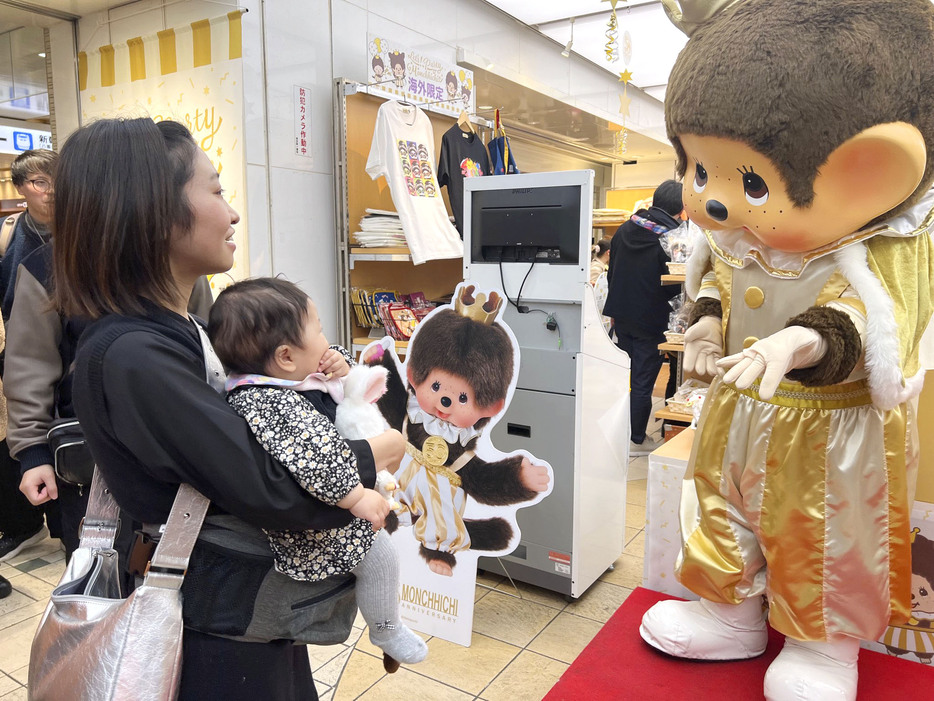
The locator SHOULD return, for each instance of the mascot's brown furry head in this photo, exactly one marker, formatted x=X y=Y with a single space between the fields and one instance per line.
x=794 y=79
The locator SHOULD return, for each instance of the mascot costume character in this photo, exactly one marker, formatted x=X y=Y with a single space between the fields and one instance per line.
x=803 y=129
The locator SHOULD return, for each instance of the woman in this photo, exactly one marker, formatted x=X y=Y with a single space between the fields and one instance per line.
x=139 y=215
x=600 y=259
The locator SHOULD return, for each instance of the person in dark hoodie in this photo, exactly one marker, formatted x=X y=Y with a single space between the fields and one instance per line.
x=638 y=303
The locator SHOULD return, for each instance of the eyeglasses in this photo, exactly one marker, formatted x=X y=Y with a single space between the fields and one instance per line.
x=41 y=184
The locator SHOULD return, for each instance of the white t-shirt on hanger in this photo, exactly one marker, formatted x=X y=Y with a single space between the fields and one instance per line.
x=402 y=151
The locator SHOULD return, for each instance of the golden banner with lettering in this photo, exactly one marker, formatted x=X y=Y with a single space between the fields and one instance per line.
x=192 y=74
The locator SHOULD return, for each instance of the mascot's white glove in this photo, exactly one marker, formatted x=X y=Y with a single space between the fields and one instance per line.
x=772 y=357
x=703 y=346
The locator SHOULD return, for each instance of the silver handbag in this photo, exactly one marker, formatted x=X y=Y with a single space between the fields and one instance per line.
x=92 y=644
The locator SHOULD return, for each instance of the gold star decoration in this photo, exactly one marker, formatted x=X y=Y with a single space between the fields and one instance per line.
x=220 y=152
x=625 y=76
x=624 y=101
x=207 y=91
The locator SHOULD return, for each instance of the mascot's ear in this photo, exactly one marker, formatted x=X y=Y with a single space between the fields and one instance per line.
x=874 y=171
x=494 y=408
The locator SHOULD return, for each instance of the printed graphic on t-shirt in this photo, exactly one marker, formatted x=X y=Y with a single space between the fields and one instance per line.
x=470 y=168
x=416 y=169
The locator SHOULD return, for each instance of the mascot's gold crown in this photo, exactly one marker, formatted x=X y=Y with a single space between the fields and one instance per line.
x=479 y=307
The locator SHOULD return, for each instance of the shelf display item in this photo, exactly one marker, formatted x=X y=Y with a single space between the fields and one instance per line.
x=463 y=156
x=402 y=152
x=379 y=229
x=811 y=178
x=502 y=160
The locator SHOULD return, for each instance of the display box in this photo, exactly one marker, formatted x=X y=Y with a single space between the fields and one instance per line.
x=667 y=466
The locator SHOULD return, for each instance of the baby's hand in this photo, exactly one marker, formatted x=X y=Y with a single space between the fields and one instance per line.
x=534 y=477
x=333 y=364
x=372 y=507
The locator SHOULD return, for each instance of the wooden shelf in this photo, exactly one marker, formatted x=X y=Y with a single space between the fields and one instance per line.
x=669 y=415
x=672 y=279
x=673 y=347
x=609 y=224
x=400 y=254
x=361 y=342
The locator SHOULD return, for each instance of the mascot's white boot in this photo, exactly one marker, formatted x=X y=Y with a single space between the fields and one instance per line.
x=704 y=630
x=812 y=671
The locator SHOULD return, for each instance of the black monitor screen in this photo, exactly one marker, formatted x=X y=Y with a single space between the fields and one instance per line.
x=526 y=224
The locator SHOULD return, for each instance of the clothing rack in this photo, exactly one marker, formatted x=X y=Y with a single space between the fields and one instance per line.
x=353 y=87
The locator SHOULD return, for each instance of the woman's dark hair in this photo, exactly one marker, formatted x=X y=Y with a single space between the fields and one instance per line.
x=119 y=198
x=251 y=318
x=600 y=247
x=667 y=197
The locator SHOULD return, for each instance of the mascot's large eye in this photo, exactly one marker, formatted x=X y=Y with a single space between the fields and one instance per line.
x=700 y=178
x=462 y=398
x=757 y=192
x=435 y=386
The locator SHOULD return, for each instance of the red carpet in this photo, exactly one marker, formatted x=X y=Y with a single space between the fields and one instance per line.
x=618 y=665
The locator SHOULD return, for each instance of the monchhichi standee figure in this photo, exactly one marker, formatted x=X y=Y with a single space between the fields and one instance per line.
x=459 y=370
x=803 y=130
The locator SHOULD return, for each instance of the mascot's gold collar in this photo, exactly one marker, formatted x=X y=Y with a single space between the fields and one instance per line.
x=737 y=247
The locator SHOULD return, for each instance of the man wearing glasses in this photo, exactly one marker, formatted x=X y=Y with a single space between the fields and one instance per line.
x=21 y=524
x=32 y=177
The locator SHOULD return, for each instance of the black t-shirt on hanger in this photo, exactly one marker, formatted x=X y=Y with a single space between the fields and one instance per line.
x=463 y=155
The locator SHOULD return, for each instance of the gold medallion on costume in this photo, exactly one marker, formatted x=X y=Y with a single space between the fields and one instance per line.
x=435 y=451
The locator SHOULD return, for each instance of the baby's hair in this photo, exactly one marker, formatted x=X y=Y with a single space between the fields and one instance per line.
x=250 y=319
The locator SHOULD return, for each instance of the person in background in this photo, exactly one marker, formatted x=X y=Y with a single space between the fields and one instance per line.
x=150 y=417
x=599 y=259
x=21 y=523
x=638 y=302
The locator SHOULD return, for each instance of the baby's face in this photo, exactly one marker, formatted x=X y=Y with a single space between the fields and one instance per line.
x=314 y=343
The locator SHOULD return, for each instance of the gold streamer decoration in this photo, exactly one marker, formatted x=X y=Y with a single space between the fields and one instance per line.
x=611 y=48
x=612 y=34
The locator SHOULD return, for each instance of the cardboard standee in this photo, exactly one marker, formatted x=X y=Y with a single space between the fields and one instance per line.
x=459 y=495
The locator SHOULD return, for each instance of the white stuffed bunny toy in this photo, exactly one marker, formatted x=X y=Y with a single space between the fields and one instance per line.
x=359 y=418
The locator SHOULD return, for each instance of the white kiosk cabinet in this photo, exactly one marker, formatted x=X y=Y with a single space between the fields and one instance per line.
x=529 y=235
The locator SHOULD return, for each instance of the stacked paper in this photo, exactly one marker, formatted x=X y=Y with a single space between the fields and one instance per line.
x=608 y=216
x=380 y=228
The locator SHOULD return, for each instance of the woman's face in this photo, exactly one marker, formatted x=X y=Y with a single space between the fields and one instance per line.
x=207 y=247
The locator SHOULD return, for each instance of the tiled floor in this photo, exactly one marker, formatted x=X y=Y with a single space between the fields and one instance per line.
x=519 y=649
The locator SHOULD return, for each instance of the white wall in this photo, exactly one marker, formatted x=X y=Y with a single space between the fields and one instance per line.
x=309 y=43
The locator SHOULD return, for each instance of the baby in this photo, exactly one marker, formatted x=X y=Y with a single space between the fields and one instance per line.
x=285 y=381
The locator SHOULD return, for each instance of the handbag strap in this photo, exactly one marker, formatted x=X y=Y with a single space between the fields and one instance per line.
x=100 y=524
x=169 y=562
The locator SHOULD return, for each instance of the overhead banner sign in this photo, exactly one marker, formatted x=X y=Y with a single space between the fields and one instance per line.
x=397 y=72
x=191 y=74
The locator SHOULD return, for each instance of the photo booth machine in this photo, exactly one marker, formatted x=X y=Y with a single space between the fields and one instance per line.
x=529 y=235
